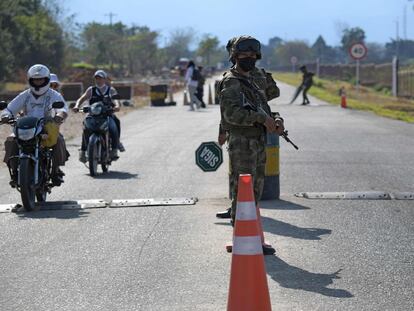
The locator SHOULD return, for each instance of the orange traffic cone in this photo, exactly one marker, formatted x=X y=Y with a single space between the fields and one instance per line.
x=248 y=282
x=267 y=248
x=343 y=101
x=210 y=96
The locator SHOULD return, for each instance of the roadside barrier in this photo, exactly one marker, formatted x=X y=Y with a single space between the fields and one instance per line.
x=271 y=189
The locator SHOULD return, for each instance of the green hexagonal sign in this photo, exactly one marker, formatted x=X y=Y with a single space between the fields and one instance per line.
x=209 y=156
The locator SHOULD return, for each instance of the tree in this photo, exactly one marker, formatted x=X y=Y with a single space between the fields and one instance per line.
x=297 y=48
x=269 y=52
x=404 y=49
x=208 y=47
x=44 y=43
x=29 y=34
x=376 y=53
x=140 y=50
x=178 y=45
x=320 y=47
x=351 y=36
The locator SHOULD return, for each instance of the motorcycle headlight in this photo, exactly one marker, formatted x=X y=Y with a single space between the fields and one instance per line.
x=96 y=110
x=26 y=134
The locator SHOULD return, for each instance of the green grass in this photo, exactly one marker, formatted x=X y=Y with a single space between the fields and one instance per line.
x=367 y=99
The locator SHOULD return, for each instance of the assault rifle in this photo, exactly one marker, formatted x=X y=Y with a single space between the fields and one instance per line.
x=285 y=133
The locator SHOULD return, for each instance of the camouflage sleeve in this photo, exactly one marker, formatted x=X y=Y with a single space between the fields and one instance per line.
x=233 y=112
x=272 y=90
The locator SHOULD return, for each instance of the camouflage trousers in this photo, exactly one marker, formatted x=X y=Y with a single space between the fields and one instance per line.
x=247 y=156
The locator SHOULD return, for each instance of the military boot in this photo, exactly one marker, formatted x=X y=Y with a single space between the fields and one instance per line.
x=224 y=214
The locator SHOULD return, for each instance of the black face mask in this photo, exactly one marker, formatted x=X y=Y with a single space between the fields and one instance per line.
x=247 y=64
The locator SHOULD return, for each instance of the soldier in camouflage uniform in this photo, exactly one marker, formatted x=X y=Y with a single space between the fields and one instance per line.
x=245 y=115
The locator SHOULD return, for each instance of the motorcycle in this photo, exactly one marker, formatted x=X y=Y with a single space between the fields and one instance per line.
x=99 y=144
x=34 y=160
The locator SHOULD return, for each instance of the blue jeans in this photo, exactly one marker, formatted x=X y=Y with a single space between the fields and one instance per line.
x=113 y=133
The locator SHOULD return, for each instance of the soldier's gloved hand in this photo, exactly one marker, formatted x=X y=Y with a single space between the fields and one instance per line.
x=222 y=139
x=280 y=128
x=270 y=125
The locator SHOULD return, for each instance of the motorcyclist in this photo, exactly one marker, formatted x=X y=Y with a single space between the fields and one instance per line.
x=54 y=82
x=101 y=92
x=37 y=102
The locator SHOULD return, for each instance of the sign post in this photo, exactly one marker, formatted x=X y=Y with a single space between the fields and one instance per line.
x=293 y=61
x=209 y=156
x=358 y=51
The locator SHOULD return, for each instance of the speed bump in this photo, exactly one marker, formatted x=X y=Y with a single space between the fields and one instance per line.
x=99 y=203
x=56 y=206
x=152 y=202
x=359 y=195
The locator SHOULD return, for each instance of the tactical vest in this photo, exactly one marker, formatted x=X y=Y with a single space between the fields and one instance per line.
x=97 y=96
x=253 y=96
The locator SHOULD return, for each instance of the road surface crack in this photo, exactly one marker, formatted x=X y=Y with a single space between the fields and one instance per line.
x=148 y=237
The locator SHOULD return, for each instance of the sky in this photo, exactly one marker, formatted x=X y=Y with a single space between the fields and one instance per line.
x=263 y=19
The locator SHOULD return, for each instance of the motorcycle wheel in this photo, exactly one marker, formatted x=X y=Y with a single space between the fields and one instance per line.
x=93 y=155
x=27 y=189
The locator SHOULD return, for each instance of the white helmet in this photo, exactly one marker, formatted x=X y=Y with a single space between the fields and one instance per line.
x=38 y=72
x=54 y=79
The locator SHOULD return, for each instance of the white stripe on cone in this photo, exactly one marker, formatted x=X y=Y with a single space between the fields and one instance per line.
x=247 y=245
x=246 y=211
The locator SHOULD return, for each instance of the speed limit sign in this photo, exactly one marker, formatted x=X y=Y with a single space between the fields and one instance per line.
x=358 y=51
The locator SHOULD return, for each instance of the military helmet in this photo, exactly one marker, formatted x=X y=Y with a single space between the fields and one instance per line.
x=243 y=44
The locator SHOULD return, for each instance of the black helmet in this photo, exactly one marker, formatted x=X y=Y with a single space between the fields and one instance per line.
x=243 y=44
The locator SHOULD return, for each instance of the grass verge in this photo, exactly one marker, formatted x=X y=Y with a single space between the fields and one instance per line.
x=366 y=99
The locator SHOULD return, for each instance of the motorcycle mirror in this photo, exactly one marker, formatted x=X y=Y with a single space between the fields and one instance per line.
x=58 y=105
x=116 y=96
x=3 y=105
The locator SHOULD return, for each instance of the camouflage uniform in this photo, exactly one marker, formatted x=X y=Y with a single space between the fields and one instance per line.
x=244 y=108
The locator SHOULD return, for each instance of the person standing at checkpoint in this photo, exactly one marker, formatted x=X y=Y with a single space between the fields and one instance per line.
x=192 y=76
x=245 y=116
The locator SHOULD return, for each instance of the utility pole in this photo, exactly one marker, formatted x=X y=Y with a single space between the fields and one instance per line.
x=111 y=15
x=405 y=22
x=397 y=37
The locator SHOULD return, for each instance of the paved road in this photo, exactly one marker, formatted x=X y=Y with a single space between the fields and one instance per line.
x=331 y=255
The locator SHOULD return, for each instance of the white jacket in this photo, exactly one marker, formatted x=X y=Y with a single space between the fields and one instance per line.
x=35 y=107
x=189 y=75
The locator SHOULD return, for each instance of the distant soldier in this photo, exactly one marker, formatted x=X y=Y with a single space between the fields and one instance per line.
x=307 y=82
x=246 y=116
